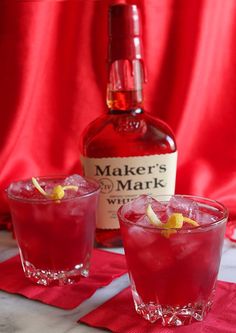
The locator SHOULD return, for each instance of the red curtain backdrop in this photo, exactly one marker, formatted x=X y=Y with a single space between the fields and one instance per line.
x=53 y=83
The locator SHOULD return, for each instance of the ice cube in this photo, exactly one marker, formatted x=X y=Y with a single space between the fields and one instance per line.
x=155 y=257
x=183 y=205
x=138 y=236
x=143 y=220
x=23 y=189
x=205 y=217
x=139 y=205
x=19 y=187
x=133 y=209
x=84 y=186
x=75 y=180
x=183 y=245
x=155 y=263
x=48 y=188
x=159 y=209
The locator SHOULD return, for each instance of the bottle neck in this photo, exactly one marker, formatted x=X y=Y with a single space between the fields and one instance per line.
x=125 y=85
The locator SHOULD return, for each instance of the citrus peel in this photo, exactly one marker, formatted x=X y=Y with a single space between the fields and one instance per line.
x=58 y=191
x=153 y=219
x=175 y=221
x=190 y=221
x=38 y=187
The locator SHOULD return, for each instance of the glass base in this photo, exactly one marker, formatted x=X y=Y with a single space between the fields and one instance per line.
x=54 y=277
x=173 y=316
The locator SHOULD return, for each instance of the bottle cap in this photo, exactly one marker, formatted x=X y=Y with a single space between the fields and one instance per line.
x=124 y=33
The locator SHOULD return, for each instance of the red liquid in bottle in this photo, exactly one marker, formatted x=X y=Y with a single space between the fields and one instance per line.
x=126 y=150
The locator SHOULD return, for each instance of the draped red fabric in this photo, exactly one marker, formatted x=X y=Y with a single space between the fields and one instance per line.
x=53 y=83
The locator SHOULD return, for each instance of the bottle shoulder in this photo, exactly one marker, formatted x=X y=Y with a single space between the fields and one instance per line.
x=123 y=122
x=128 y=134
x=159 y=124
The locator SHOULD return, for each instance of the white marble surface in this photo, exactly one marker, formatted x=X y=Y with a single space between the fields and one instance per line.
x=18 y=314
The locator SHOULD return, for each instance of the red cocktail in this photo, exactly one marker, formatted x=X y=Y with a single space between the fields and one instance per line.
x=173 y=270
x=55 y=234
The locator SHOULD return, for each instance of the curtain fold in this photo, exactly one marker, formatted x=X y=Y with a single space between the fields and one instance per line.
x=53 y=83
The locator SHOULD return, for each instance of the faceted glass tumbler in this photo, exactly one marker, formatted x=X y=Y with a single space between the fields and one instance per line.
x=55 y=237
x=173 y=278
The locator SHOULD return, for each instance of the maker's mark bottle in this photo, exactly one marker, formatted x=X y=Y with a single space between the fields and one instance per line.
x=126 y=150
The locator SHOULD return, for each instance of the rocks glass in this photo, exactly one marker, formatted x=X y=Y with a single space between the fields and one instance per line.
x=173 y=274
x=55 y=236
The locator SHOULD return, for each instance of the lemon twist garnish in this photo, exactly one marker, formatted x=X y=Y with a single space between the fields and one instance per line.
x=175 y=221
x=153 y=219
x=190 y=221
x=38 y=187
x=58 y=191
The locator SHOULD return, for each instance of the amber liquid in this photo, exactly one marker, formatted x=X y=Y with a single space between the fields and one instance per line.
x=124 y=99
x=123 y=132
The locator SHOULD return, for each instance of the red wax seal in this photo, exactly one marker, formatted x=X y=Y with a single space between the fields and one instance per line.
x=125 y=33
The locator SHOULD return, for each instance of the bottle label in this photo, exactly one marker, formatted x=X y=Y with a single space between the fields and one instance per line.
x=123 y=178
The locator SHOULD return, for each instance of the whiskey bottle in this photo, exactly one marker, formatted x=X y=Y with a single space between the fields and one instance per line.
x=127 y=150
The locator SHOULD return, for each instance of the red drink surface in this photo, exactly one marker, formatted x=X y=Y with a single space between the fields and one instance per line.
x=174 y=271
x=53 y=234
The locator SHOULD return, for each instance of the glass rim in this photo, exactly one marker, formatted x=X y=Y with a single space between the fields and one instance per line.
x=46 y=200
x=187 y=229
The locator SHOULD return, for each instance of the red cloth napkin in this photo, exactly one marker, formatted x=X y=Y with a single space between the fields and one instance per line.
x=105 y=266
x=118 y=315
